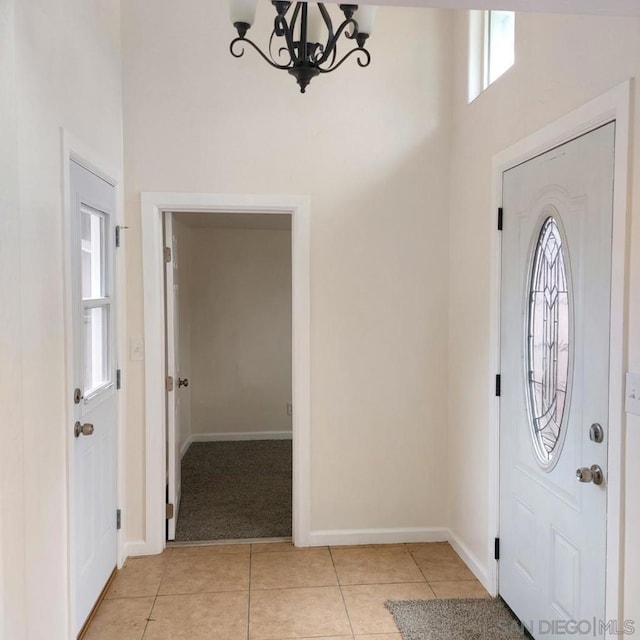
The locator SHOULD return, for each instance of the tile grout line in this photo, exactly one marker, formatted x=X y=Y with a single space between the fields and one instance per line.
x=423 y=574
x=155 y=598
x=429 y=582
x=344 y=602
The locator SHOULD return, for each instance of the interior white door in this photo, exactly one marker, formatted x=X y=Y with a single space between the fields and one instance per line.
x=556 y=283
x=172 y=298
x=93 y=542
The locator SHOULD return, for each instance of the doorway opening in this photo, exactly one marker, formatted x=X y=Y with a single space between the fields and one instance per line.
x=228 y=323
x=154 y=209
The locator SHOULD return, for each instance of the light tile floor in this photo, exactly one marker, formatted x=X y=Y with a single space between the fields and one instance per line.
x=276 y=592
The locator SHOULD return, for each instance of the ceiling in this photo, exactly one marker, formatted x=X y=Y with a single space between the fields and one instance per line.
x=205 y=220
x=597 y=7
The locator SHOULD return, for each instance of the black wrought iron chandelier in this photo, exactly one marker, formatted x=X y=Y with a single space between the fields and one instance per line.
x=303 y=41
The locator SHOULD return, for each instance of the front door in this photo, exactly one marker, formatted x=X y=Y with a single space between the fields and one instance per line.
x=93 y=543
x=556 y=283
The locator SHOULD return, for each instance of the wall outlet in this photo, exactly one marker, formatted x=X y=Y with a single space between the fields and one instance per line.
x=136 y=348
x=289 y=408
x=632 y=393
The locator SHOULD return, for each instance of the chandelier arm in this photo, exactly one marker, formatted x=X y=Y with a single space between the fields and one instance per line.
x=280 y=50
x=279 y=25
x=333 y=54
x=356 y=50
x=294 y=16
x=327 y=20
x=333 y=41
x=255 y=46
x=287 y=32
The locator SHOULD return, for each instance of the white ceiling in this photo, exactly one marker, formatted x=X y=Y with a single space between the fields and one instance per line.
x=235 y=220
x=598 y=7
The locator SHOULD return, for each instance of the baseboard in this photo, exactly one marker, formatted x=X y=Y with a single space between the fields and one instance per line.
x=472 y=562
x=342 y=537
x=244 y=435
x=185 y=446
x=234 y=437
x=136 y=548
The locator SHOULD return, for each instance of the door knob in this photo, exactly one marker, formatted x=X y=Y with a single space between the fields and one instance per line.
x=85 y=429
x=593 y=474
x=183 y=382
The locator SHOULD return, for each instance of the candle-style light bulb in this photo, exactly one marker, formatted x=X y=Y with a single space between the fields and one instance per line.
x=242 y=12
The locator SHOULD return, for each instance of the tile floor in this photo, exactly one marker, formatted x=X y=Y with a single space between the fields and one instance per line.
x=276 y=592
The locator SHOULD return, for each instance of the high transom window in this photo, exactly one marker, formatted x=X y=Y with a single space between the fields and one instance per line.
x=491 y=48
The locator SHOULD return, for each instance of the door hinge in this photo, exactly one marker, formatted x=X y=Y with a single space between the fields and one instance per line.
x=118 y=378
x=496 y=549
x=500 y=217
x=169 y=511
x=119 y=228
x=498 y=385
x=169 y=383
x=167 y=254
x=118 y=519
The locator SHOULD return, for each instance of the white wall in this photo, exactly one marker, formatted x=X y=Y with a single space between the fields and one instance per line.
x=12 y=546
x=59 y=67
x=561 y=63
x=240 y=305
x=371 y=148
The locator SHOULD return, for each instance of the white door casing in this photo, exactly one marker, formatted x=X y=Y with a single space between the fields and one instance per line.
x=94 y=450
x=552 y=527
x=153 y=207
x=174 y=479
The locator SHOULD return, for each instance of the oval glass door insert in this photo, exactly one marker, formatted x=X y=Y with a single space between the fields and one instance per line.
x=548 y=345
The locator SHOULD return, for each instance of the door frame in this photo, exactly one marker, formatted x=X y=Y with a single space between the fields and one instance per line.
x=153 y=206
x=74 y=149
x=612 y=105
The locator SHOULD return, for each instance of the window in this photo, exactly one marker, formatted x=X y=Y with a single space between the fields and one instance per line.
x=500 y=39
x=96 y=304
x=491 y=48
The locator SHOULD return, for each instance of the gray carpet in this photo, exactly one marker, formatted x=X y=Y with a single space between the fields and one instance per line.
x=466 y=619
x=234 y=490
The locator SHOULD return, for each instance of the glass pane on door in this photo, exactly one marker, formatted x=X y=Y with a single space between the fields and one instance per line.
x=548 y=344
x=96 y=348
x=93 y=254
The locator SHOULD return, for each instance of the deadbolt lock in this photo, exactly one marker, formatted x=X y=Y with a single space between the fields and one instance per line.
x=183 y=382
x=596 y=433
x=85 y=429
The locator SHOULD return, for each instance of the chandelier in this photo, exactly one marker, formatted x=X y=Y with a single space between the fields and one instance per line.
x=303 y=41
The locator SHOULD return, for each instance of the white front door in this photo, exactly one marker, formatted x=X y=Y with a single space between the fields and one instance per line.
x=93 y=535
x=556 y=283
x=172 y=298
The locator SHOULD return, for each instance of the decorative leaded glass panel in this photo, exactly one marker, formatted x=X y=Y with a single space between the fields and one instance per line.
x=548 y=359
